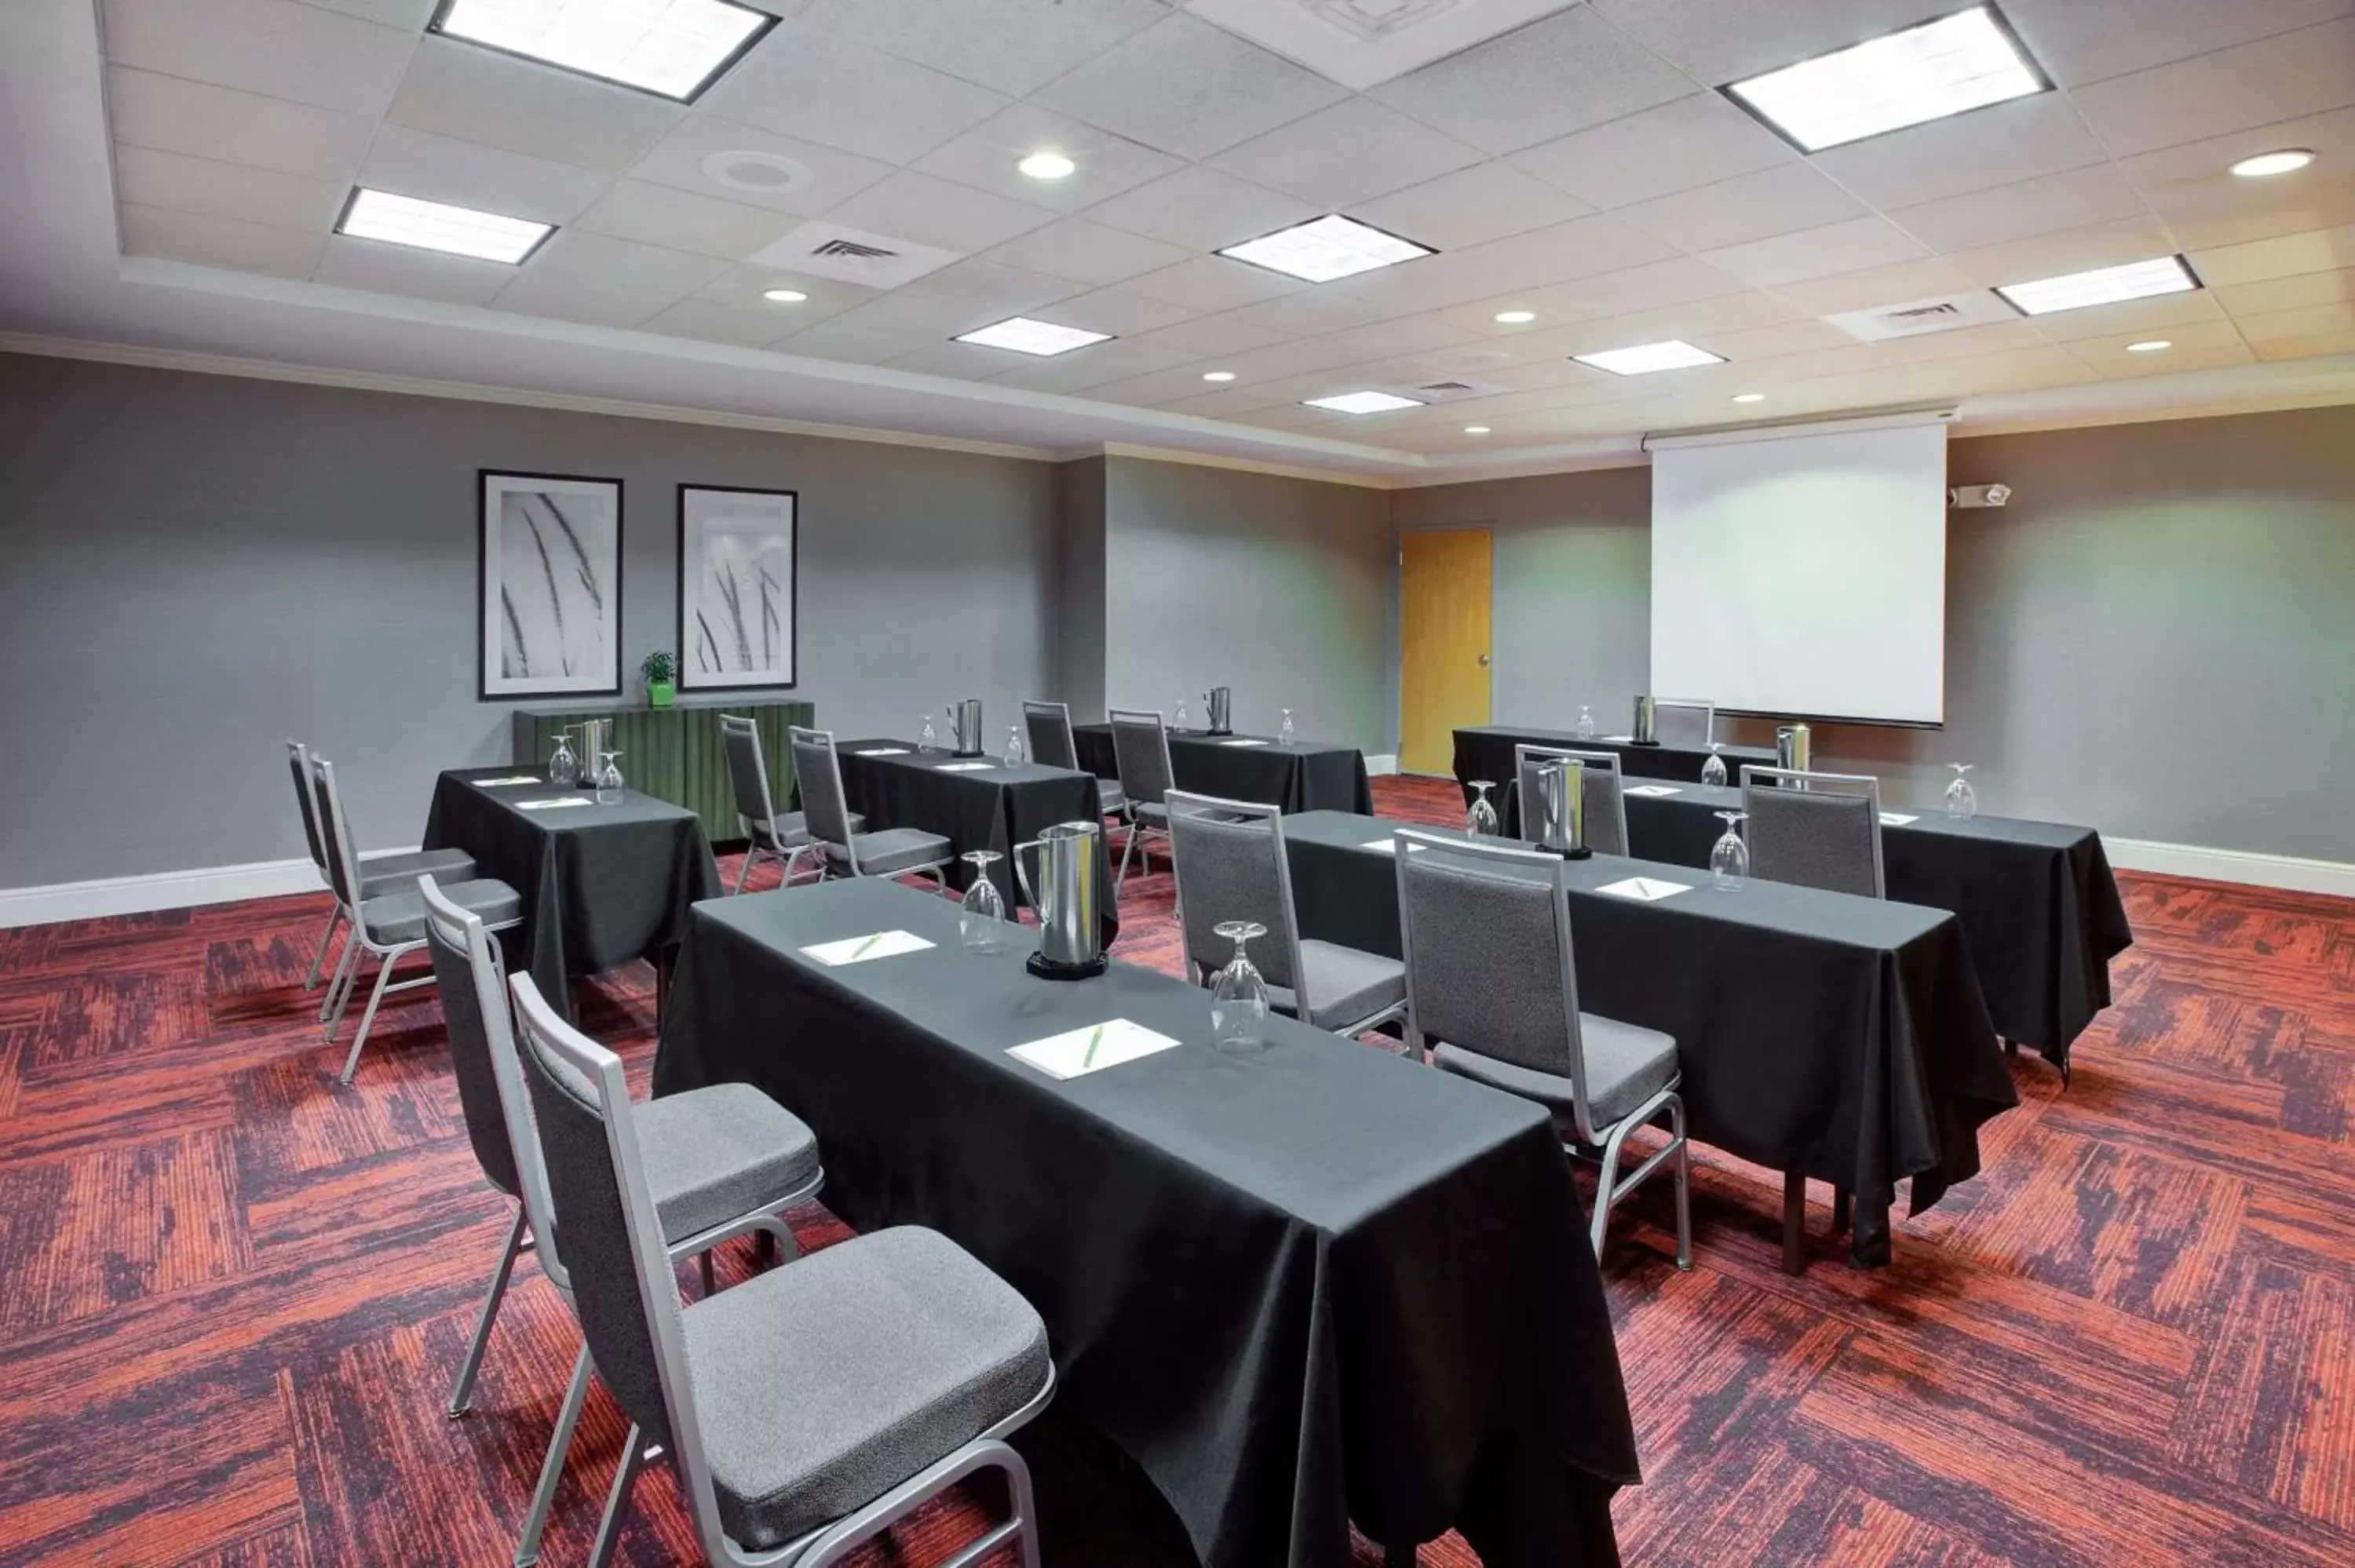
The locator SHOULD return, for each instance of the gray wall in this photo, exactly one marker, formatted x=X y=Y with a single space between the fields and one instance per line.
x=2156 y=594
x=1079 y=600
x=195 y=568
x=1282 y=589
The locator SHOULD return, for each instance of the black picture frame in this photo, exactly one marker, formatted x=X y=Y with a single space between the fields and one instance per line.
x=511 y=688
x=694 y=674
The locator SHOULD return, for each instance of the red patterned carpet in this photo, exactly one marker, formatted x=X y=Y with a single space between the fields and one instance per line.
x=232 y=1295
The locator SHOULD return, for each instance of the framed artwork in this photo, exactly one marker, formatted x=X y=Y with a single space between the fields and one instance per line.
x=736 y=587
x=550 y=611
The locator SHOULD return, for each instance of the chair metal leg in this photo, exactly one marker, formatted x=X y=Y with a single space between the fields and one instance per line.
x=1610 y=1183
x=326 y=940
x=744 y=872
x=625 y=1475
x=1025 y=1507
x=551 y=1468
x=1128 y=848
x=710 y=1285
x=464 y=1388
x=1684 y=1183
x=332 y=1002
x=376 y=999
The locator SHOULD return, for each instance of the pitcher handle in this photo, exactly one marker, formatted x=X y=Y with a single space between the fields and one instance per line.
x=1022 y=869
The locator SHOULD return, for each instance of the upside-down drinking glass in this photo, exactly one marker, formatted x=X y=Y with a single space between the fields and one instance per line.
x=608 y=780
x=1480 y=821
x=563 y=768
x=1585 y=722
x=1283 y=735
x=926 y=738
x=1729 y=862
x=981 y=921
x=1712 y=771
x=1178 y=719
x=1238 y=996
x=1014 y=746
x=1962 y=800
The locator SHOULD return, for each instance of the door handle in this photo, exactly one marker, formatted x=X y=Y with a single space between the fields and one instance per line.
x=1484 y=660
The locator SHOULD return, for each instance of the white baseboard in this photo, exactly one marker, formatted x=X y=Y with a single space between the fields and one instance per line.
x=1381 y=762
x=2249 y=866
x=160 y=890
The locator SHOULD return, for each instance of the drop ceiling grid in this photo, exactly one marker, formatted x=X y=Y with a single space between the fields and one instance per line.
x=657 y=250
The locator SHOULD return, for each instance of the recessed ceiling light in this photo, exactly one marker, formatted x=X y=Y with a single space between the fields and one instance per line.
x=1325 y=248
x=783 y=296
x=762 y=174
x=1048 y=165
x=2289 y=161
x=1476 y=430
x=1644 y=358
x=1363 y=403
x=1968 y=60
x=433 y=226
x=674 y=47
x=1516 y=318
x=2150 y=345
x=2102 y=286
x=1750 y=396
x=1024 y=335
x=1218 y=376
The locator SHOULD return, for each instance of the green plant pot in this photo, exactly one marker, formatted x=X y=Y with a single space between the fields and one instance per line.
x=661 y=693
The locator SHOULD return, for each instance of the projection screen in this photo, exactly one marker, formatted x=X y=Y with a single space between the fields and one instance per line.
x=1803 y=575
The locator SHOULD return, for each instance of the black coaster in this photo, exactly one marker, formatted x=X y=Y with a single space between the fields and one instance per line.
x=1643 y=743
x=1045 y=968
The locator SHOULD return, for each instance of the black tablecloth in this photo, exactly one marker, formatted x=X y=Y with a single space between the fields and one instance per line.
x=1841 y=1037
x=1485 y=751
x=2036 y=901
x=1306 y=776
x=1298 y=1285
x=600 y=884
x=990 y=807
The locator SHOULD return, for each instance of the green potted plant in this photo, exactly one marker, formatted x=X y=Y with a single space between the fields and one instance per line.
x=661 y=671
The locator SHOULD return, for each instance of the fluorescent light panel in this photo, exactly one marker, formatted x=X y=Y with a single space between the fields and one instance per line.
x=1645 y=358
x=2102 y=286
x=1024 y=335
x=669 y=47
x=1328 y=248
x=1363 y=403
x=1965 y=62
x=436 y=226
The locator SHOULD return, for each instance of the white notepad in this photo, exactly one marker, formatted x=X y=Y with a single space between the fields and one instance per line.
x=1646 y=889
x=966 y=767
x=1092 y=1050
x=1897 y=819
x=519 y=779
x=1390 y=846
x=557 y=804
x=1653 y=789
x=884 y=752
x=1242 y=743
x=858 y=949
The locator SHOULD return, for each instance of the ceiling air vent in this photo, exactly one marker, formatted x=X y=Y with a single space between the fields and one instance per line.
x=1448 y=389
x=853 y=256
x=1915 y=318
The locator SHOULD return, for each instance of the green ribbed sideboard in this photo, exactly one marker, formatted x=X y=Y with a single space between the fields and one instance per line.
x=675 y=753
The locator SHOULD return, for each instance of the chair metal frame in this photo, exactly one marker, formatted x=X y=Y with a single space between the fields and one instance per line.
x=651 y=1263
x=298 y=758
x=1140 y=832
x=1611 y=1139
x=1183 y=801
x=1865 y=784
x=1600 y=761
x=937 y=870
x=1707 y=706
x=775 y=848
x=1058 y=718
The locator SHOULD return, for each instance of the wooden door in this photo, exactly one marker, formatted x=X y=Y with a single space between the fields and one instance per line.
x=1444 y=592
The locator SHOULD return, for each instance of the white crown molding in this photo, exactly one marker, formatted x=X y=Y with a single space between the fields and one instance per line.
x=1241 y=465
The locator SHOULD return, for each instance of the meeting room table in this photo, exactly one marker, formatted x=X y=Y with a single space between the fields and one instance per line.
x=1299 y=1283
x=976 y=803
x=602 y=884
x=1818 y=1034
x=1485 y=751
x=1297 y=776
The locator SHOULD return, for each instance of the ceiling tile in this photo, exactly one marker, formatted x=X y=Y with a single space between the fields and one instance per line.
x=239 y=191
x=1818 y=252
x=1669 y=282
x=1091 y=366
x=910 y=206
x=1871 y=287
x=1748 y=207
x=2064 y=251
x=2158 y=316
x=1720 y=41
x=625 y=263
x=1213 y=284
x=488 y=179
x=1087 y=251
x=269 y=47
x=1014 y=45
x=1307 y=313
x=383 y=268
x=2103 y=351
x=2277 y=349
x=661 y=214
x=2192 y=183
x=1992 y=146
x=1789 y=337
x=678 y=158
x=2078 y=43
x=964 y=361
x=1188 y=88
x=2335 y=316
x=859 y=337
x=2288 y=293
x=986 y=157
x=1117 y=313
x=476 y=95
x=1545 y=80
x=2306 y=72
x=1558 y=253
x=710 y=322
x=1471 y=207
x=2317 y=251
x=206 y=121
x=1552 y=308
x=2179 y=360
x=804 y=80
x=1202 y=210
x=742 y=287
x=583 y=297
x=2099 y=193
x=1206 y=337
x=410 y=14
x=976 y=293
x=219 y=242
x=1348 y=153
x=1693 y=141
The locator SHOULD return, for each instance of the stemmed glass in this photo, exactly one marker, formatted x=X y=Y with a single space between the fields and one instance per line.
x=608 y=780
x=1585 y=722
x=925 y=739
x=1178 y=720
x=1729 y=862
x=563 y=768
x=1712 y=771
x=1238 y=997
x=1283 y=735
x=1480 y=821
x=981 y=920
x=1014 y=746
x=1962 y=800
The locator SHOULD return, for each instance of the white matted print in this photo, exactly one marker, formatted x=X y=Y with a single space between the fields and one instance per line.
x=736 y=587
x=552 y=585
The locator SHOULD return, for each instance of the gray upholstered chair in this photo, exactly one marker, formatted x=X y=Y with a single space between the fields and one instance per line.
x=1048 y=726
x=1817 y=829
x=767 y=832
x=386 y=927
x=725 y=1161
x=1229 y=861
x=834 y=831
x=1606 y=805
x=1140 y=746
x=809 y=1408
x=1492 y=991
x=1684 y=721
x=384 y=873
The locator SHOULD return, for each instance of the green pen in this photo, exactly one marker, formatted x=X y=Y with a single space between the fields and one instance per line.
x=865 y=944
x=1095 y=1038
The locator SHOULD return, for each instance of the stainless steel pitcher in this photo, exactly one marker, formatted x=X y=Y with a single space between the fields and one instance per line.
x=1646 y=721
x=595 y=737
x=1561 y=809
x=1068 y=896
x=1219 y=702
x=964 y=726
x=1792 y=748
